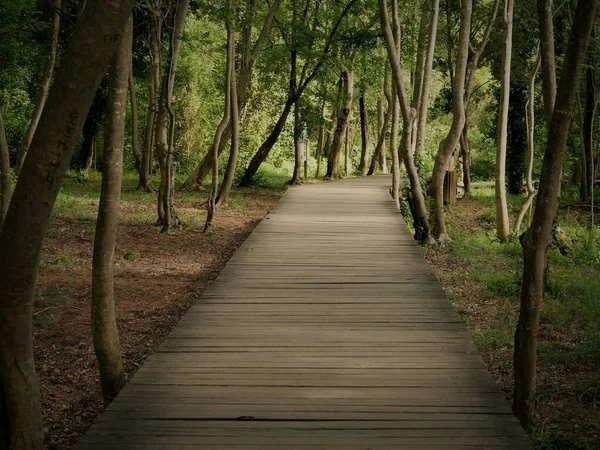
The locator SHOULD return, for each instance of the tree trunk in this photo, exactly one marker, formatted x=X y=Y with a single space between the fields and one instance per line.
x=333 y=163
x=448 y=145
x=297 y=175
x=348 y=149
x=223 y=197
x=82 y=67
x=135 y=145
x=46 y=81
x=104 y=325
x=535 y=241
x=153 y=105
x=416 y=198
x=364 y=135
x=588 y=121
x=530 y=124
x=419 y=67
x=219 y=134
x=545 y=16
x=395 y=105
x=465 y=153
x=4 y=175
x=383 y=119
x=427 y=76
x=502 y=226
x=321 y=141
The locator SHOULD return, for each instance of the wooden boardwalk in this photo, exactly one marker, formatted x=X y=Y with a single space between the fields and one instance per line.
x=326 y=330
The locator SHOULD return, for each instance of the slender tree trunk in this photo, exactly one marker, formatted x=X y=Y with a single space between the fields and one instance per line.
x=46 y=81
x=419 y=67
x=321 y=141
x=160 y=149
x=347 y=148
x=223 y=197
x=333 y=163
x=416 y=198
x=229 y=76
x=530 y=124
x=135 y=144
x=104 y=324
x=395 y=106
x=545 y=16
x=153 y=105
x=427 y=76
x=536 y=239
x=364 y=135
x=4 y=177
x=502 y=226
x=335 y=111
x=70 y=97
x=297 y=175
x=465 y=152
x=588 y=120
x=383 y=123
x=448 y=145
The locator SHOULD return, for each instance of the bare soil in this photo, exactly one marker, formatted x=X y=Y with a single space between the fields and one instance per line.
x=157 y=278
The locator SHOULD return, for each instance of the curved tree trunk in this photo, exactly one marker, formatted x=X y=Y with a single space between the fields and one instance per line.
x=502 y=226
x=333 y=163
x=535 y=241
x=46 y=81
x=70 y=97
x=4 y=175
x=448 y=145
x=104 y=324
x=427 y=75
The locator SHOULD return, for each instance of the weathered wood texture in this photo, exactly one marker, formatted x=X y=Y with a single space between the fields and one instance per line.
x=326 y=329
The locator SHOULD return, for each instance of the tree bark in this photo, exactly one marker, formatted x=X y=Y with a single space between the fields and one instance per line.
x=502 y=226
x=535 y=241
x=544 y=8
x=395 y=105
x=46 y=81
x=104 y=325
x=427 y=76
x=419 y=68
x=229 y=75
x=333 y=162
x=82 y=67
x=364 y=135
x=4 y=174
x=153 y=104
x=321 y=141
x=383 y=118
x=588 y=121
x=297 y=175
x=448 y=145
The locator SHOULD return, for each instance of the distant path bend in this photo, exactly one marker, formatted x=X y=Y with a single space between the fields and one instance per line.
x=326 y=330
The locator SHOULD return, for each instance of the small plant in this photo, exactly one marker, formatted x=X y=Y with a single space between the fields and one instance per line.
x=131 y=255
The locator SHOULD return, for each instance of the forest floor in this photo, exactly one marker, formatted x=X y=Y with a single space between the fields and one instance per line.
x=157 y=277
x=482 y=278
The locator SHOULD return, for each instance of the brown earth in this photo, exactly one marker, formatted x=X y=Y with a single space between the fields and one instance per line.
x=157 y=277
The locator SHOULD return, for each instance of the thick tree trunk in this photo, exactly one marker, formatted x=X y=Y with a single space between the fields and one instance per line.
x=427 y=76
x=364 y=135
x=135 y=141
x=46 y=81
x=502 y=225
x=82 y=67
x=333 y=163
x=4 y=175
x=448 y=145
x=229 y=99
x=104 y=325
x=536 y=239
x=153 y=105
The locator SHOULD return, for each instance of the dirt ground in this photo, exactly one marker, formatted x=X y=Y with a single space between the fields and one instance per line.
x=157 y=277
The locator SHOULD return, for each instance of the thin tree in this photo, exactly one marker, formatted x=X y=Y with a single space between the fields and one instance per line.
x=219 y=134
x=45 y=85
x=333 y=162
x=448 y=145
x=396 y=111
x=535 y=241
x=81 y=70
x=364 y=135
x=135 y=138
x=427 y=76
x=383 y=121
x=104 y=325
x=4 y=172
x=502 y=226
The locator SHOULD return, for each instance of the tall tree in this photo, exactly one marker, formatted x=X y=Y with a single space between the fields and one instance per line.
x=535 y=241
x=333 y=162
x=502 y=226
x=364 y=135
x=82 y=68
x=104 y=324
x=45 y=85
x=448 y=145
x=250 y=52
x=4 y=172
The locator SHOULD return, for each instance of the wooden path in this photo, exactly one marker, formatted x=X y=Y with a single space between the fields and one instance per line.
x=326 y=330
